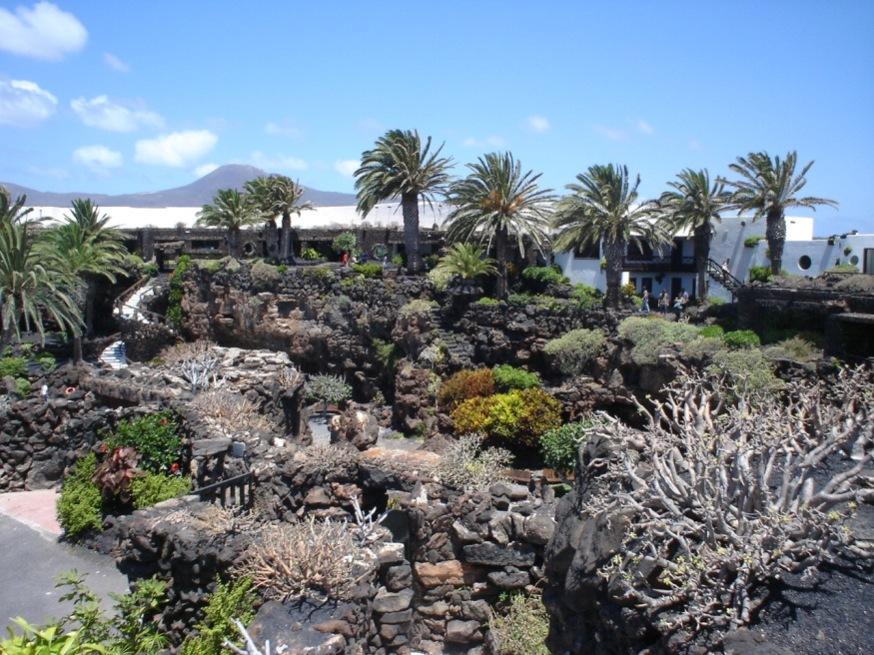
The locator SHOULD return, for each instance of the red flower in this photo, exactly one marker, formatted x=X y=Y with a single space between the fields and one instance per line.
x=174 y=468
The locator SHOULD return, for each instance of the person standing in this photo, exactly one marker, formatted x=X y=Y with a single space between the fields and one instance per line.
x=664 y=302
x=678 y=305
x=644 y=303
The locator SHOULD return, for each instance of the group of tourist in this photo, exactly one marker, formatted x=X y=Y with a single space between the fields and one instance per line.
x=664 y=302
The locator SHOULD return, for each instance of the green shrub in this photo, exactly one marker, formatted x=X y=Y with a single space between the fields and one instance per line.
x=230 y=600
x=540 y=277
x=211 y=266
x=628 y=291
x=79 y=503
x=465 y=384
x=328 y=389
x=368 y=269
x=344 y=242
x=398 y=259
x=150 y=270
x=843 y=268
x=702 y=347
x=753 y=241
x=519 y=416
x=440 y=278
x=573 y=351
x=519 y=299
x=22 y=387
x=711 y=331
x=485 y=301
x=13 y=366
x=746 y=370
x=715 y=301
x=153 y=488
x=386 y=354
x=741 y=339
x=588 y=297
x=651 y=335
x=47 y=362
x=760 y=273
x=174 y=297
x=310 y=254
x=795 y=349
x=417 y=307
x=264 y=275
x=559 y=446
x=153 y=436
x=509 y=377
x=521 y=626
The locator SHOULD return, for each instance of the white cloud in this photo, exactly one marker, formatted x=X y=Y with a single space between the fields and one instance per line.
x=492 y=141
x=115 y=63
x=176 y=148
x=273 y=163
x=97 y=158
x=644 y=128
x=24 y=103
x=611 y=133
x=41 y=32
x=205 y=169
x=283 y=128
x=105 y=114
x=539 y=124
x=347 y=167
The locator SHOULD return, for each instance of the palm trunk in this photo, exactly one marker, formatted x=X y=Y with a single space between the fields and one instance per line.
x=614 y=252
x=285 y=238
x=501 y=239
x=410 y=208
x=77 y=348
x=702 y=237
x=90 y=299
x=775 y=232
x=234 y=242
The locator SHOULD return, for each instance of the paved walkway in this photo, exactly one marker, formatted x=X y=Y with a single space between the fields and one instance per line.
x=31 y=558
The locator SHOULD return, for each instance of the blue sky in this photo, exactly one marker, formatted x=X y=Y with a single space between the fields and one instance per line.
x=121 y=96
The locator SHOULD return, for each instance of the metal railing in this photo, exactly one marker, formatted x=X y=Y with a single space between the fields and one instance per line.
x=237 y=491
x=723 y=276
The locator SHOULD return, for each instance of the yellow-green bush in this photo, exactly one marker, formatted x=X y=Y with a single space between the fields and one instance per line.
x=229 y=601
x=519 y=416
x=153 y=488
x=520 y=626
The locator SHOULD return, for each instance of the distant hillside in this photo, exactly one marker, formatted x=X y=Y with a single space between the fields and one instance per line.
x=195 y=194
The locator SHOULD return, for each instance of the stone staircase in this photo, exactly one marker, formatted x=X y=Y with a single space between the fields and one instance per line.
x=113 y=356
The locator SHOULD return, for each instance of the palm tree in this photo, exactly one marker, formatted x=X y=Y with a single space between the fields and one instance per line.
x=10 y=211
x=603 y=207
x=89 y=250
x=278 y=195
x=230 y=210
x=467 y=261
x=767 y=188
x=497 y=202
x=399 y=165
x=33 y=283
x=695 y=204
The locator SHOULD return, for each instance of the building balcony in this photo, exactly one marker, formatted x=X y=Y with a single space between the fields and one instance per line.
x=660 y=265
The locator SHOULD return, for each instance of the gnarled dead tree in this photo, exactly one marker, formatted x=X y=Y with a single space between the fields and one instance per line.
x=721 y=498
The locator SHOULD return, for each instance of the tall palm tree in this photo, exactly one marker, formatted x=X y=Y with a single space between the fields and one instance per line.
x=230 y=210
x=767 y=187
x=34 y=284
x=399 y=165
x=89 y=250
x=603 y=208
x=278 y=195
x=497 y=202
x=695 y=204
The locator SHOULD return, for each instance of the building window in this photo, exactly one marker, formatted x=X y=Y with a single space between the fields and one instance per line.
x=854 y=260
x=588 y=251
x=804 y=262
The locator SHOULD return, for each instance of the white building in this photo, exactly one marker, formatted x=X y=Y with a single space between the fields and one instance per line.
x=673 y=269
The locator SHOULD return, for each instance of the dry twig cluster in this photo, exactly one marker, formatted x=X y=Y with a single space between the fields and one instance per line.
x=722 y=498
x=310 y=558
x=230 y=412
